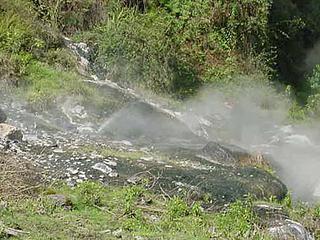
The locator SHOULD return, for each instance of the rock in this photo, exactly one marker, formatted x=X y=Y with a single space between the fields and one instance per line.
x=278 y=223
x=268 y=213
x=3 y=116
x=3 y=205
x=225 y=154
x=73 y=171
x=118 y=233
x=60 y=200
x=113 y=174
x=148 y=122
x=288 y=229
x=10 y=132
x=102 y=167
x=135 y=179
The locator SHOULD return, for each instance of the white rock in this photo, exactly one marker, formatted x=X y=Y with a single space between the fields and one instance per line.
x=72 y=171
x=10 y=132
x=289 y=229
x=102 y=167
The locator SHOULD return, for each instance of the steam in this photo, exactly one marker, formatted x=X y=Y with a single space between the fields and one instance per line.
x=253 y=117
x=312 y=57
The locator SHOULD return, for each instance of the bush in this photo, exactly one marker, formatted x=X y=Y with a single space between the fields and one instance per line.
x=70 y=16
x=90 y=194
x=177 y=208
x=176 y=46
x=61 y=58
x=23 y=38
x=313 y=104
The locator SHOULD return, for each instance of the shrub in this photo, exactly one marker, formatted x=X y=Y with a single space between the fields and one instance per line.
x=70 y=16
x=176 y=208
x=90 y=194
x=176 y=46
x=131 y=196
x=313 y=103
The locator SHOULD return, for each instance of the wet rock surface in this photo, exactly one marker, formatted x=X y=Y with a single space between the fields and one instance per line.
x=73 y=143
x=78 y=158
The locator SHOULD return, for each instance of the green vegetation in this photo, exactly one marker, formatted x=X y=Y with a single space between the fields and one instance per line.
x=32 y=52
x=46 y=83
x=176 y=47
x=92 y=211
x=171 y=47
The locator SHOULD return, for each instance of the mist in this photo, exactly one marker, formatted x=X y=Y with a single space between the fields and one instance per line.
x=312 y=57
x=252 y=117
x=256 y=118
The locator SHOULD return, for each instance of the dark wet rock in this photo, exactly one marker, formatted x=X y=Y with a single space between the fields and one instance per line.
x=10 y=132
x=226 y=154
x=221 y=183
x=3 y=116
x=173 y=175
x=226 y=184
x=218 y=153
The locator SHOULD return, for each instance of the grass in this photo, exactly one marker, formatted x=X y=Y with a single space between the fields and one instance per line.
x=100 y=212
x=133 y=210
x=45 y=83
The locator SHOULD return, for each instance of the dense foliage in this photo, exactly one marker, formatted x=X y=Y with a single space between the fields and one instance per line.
x=173 y=46
x=176 y=46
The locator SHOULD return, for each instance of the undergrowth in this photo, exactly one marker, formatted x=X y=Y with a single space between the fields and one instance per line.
x=100 y=212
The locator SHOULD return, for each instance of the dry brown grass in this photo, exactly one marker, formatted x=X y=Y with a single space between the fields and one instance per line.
x=256 y=160
x=18 y=178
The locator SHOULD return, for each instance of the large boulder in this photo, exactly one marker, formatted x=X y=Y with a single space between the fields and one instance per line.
x=288 y=229
x=3 y=116
x=221 y=183
x=278 y=223
x=9 y=132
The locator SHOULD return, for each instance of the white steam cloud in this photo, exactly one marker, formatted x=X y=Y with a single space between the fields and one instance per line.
x=255 y=118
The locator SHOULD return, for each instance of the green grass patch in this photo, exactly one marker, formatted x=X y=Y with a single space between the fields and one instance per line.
x=45 y=83
x=100 y=212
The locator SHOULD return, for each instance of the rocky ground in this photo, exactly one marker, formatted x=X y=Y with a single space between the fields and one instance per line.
x=223 y=171
x=63 y=144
